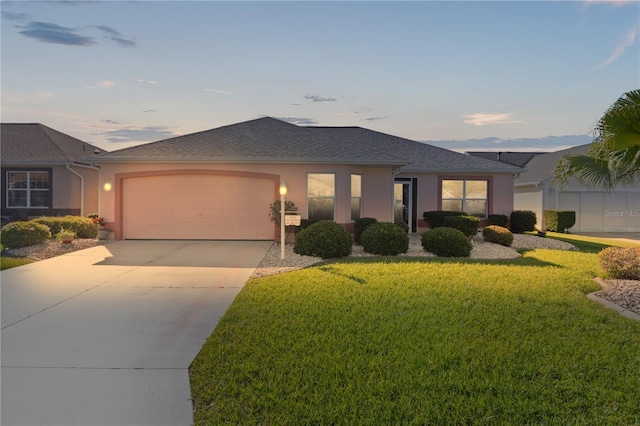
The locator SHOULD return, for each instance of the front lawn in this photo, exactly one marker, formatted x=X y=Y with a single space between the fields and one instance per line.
x=12 y=262
x=428 y=341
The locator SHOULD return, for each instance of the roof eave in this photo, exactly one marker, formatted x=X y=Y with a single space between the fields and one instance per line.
x=461 y=171
x=96 y=160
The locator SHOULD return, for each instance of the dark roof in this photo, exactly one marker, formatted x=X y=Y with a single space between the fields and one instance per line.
x=422 y=157
x=518 y=159
x=543 y=166
x=37 y=143
x=264 y=140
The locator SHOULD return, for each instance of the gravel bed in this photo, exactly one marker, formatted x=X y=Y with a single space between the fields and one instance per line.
x=53 y=248
x=624 y=293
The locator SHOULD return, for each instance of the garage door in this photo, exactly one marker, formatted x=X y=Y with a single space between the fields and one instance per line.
x=201 y=207
x=603 y=211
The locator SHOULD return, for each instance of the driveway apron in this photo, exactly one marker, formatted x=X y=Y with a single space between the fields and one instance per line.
x=105 y=336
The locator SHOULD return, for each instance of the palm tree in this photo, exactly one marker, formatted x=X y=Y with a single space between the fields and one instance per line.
x=614 y=157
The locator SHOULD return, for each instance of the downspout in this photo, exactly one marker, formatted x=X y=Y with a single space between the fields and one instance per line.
x=68 y=167
x=96 y=168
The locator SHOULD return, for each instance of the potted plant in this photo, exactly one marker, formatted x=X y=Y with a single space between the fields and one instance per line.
x=66 y=236
x=103 y=233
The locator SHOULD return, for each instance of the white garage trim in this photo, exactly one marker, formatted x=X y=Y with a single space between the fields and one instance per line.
x=197 y=204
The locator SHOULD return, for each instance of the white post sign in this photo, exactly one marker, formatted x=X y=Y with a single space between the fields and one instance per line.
x=292 y=220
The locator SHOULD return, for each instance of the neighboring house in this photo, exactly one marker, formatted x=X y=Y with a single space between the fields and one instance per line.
x=519 y=159
x=219 y=183
x=42 y=174
x=596 y=210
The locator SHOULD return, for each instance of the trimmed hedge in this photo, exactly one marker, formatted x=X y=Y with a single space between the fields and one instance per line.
x=325 y=239
x=559 y=220
x=24 y=234
x=621 y=262
x=468 y=225
x=386 y=239
x=498 y=234
x=523 y=221
x=82 y=226
x=435 y=218
x=446 y=242
x=361 y=225
x=498 y=220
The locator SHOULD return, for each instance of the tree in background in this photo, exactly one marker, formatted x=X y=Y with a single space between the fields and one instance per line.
x=614 y=157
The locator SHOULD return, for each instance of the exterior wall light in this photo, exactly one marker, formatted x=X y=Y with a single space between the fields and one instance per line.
x=108 y=185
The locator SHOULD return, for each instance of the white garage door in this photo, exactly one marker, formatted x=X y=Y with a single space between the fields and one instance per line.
x=529 y=201
x=603 y=211
x=201 y=207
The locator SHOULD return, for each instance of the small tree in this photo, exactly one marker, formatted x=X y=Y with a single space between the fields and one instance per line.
x=274 y=210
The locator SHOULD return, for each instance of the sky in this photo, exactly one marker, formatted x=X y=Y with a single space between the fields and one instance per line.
x=121 y=73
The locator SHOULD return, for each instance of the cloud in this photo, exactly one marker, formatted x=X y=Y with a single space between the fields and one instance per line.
x=316 y=98
x=222 y=92
x=298 y=120
x=149 y=110
x=614 y=3
x=377 y=118
x=483 y=119
x=114 y=35
x=105 y=84
x=110 y=121
x=137 y=134
x=147 y=81
x=56 y=34
x=627 y=42
x=15 y=16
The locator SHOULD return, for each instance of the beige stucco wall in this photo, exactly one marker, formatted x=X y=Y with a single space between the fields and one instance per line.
x=66 y=189
x=377 y=185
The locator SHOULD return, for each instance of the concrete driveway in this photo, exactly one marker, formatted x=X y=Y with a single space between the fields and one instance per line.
x=105 y=336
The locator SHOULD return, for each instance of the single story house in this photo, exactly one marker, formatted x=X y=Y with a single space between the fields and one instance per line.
x=220 y=183
x=597 y=210
x=43 y=175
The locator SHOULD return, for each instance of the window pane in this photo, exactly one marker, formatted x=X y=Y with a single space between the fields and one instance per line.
x=17 y=198
x=39 y=198
x=321 y=185
x=477 y=189
x=356 y=185
x=39 y=180
x=321 y=208
x=17 y=179
x=355 y=208
x=452 y=205
x=452 y=189
x=477 y=208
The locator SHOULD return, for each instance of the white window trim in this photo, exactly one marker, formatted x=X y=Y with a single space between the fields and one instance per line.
x=464 y=194
x=28 y=189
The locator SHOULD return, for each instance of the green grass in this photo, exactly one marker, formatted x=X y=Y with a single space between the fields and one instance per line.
x=589 y=244
x=12 y=262
x=422 y=342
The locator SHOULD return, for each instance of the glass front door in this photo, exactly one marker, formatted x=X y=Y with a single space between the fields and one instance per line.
x=402 y=205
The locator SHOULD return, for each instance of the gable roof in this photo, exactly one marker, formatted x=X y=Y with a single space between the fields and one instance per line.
x=519 y=159
x=422 y=157
x=543 y=166
x=34 y=143
x=264 y=140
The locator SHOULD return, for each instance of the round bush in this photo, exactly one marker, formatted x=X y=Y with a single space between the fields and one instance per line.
x=24 y=234
x=361 y=225
x=522 y=221
x=386 y=239
x=446 y=242
x=468 y=225
x=498 y=234
x=325 y=239
x=84 y=227
x=621 y=262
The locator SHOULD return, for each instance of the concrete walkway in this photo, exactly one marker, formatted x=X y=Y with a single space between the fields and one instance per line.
x=105 y=336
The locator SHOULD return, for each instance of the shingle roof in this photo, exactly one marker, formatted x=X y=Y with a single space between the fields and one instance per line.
x=542 y=167
x=422 y=157
x=519 y=159
x=37 y=143
x=261 y=140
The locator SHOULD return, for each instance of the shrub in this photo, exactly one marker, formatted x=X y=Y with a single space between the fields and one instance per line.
x=84 y=227
x=621 y=262
x=468 y=225
x=274 y=210
x=305 y=223
x=498 y=220
x=522 y=221
x=435 y=218
x=325 y=239
x=360 y=226
x=559 y=220
x=385 y=238
x=24 y=234
x=498 y=234
x=446 y=242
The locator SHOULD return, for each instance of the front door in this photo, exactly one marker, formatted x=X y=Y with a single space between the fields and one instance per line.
x=404 y=210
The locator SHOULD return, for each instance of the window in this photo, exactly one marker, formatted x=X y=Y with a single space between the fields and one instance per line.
x=468 y=196
x=356 y=197
x=28 y=189
x=321 y=195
